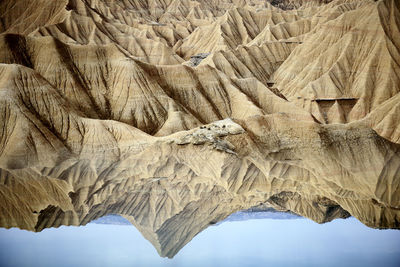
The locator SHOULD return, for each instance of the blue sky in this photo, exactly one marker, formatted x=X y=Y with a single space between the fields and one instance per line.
x=241 y=243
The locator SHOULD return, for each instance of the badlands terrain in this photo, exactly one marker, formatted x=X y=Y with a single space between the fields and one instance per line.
x=176 y=114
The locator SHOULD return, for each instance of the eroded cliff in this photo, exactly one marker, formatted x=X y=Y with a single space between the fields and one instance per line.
x=176 y=114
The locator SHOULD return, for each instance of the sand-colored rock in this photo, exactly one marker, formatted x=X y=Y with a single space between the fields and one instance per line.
x=175 y=114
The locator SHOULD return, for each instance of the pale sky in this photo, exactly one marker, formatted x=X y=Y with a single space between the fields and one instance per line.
x=241 y=243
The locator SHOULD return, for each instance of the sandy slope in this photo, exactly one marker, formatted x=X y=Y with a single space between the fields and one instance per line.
x=105 y=108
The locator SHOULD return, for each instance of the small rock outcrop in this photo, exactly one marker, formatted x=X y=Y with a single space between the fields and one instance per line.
x=212 y=134
x=196 y=60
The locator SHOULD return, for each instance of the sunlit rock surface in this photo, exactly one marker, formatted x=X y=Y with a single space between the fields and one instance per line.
x=176 y=114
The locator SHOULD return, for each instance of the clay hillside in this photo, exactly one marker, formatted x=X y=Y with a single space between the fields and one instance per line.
x=176 y=114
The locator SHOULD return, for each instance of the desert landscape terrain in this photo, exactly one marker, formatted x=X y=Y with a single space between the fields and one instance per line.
x=176 y=114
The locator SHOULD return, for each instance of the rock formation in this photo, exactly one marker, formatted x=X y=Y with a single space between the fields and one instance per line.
x=175 y=114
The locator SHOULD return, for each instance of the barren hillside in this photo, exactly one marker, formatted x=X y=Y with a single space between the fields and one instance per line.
x=176 y=114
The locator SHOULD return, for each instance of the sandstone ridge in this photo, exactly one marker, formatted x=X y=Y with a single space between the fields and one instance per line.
x=175 y=114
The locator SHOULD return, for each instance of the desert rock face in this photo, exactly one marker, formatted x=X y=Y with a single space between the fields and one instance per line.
x=175 y=114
